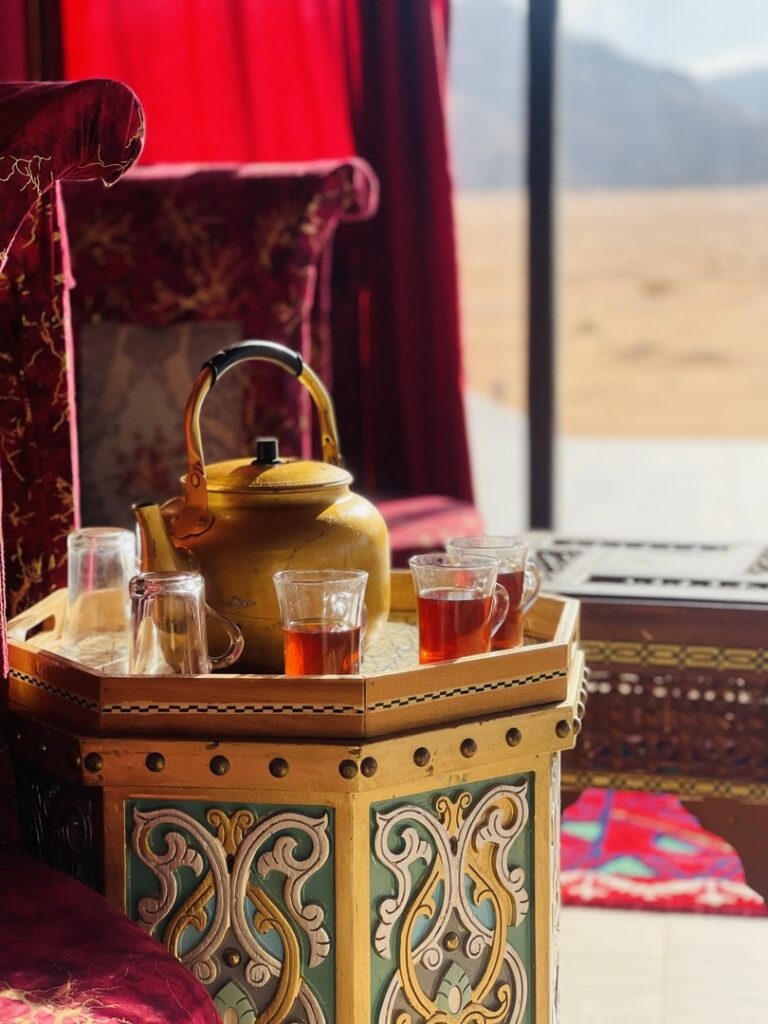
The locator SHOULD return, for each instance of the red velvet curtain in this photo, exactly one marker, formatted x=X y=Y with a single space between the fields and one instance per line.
x=13 y=41
x=260 y=80
x=410 y=376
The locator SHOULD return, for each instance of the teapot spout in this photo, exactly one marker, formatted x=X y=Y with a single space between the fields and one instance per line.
x=157 y=551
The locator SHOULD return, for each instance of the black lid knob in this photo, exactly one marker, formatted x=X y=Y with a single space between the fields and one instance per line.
x=266 y=451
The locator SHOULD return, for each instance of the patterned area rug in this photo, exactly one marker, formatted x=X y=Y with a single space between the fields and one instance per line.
x=644 y=851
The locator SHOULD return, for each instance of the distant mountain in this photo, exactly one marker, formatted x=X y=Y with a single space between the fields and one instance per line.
x=623 y=123
x=746 y=89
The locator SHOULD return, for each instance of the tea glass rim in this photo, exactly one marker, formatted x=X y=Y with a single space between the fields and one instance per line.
x=444 y=560
x=319 y=577
x=487 y=542
x=167 y=578
x=118 y=534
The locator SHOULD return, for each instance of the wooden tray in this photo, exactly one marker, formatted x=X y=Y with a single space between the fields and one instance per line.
x=392 y=694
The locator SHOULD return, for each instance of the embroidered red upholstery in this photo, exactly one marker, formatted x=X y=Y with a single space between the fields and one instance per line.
x=65 y=954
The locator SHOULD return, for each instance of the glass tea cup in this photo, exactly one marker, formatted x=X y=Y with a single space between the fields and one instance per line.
x=169 y=626
x=100 y=563
x=460 y=604
x=520 y=578
x=323 y=618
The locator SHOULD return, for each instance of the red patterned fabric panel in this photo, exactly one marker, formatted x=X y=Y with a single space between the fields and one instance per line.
x=173 y=243
x=47 y=131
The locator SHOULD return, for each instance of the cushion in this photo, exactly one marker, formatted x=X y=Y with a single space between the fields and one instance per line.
x=423 y=524
x=67 y=955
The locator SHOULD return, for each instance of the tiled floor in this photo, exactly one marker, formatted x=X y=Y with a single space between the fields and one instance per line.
x=621 y=967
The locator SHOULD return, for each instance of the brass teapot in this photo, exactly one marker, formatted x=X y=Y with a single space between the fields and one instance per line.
x=242 y=520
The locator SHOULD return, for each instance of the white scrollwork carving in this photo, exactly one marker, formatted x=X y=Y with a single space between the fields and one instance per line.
x=297 y=872
x=496 y=804
x=199 y=959
x=432 y=958
x=154 y=908
x=311 y=1006
x=412 y=848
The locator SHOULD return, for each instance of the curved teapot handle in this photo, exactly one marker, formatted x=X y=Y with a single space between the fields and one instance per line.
x=195 y=517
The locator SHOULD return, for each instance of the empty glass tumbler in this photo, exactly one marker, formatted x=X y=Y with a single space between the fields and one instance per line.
x=101 y=562
x=169 y=626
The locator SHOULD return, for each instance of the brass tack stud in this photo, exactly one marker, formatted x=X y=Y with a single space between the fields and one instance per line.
x=74 y=758
x=450 y=941
x=94 y=762
x=513 y=737
x=421 y=757
x=219 y=765
x=468 y=747
x=369 y=766
x=562 y=728
x=576 y=726
x=348 y=769
x=155 y=761
x=232 y=957
x=42 y=747
x=278 y=767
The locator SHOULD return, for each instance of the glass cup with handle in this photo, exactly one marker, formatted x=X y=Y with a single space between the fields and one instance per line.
x=519 y=577
x=96 y=630
x=323 y=619
x=460 y=604
x=169 y=627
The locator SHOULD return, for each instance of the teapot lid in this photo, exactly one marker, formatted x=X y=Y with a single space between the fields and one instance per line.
x=268 y=473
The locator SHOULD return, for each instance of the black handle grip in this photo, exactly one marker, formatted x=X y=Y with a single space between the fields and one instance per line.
x=281 y=355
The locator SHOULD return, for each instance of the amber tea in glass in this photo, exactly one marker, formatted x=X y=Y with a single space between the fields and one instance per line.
x=460 y=605
x=318 y=648
x=520 y=579
x=453 y=623
x=322 y=614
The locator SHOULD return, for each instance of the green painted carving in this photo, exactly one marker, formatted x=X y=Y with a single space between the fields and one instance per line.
x=241 y=893
x=233 y=1005
x=451 y=879
x=455 y=990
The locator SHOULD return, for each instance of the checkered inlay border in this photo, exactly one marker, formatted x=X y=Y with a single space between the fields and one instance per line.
x=466 y=691
x=57 y=691
x=237 y=709
x=152 y=708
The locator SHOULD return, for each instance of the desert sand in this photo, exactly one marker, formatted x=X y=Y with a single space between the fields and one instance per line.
x=663 y=309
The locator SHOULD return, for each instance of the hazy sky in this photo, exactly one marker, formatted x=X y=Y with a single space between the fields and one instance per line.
x=696 y=35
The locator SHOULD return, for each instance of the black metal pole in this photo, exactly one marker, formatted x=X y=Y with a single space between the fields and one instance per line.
x=542 y=23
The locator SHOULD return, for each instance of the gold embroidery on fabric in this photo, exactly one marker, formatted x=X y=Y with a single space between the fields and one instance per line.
x=31 y=170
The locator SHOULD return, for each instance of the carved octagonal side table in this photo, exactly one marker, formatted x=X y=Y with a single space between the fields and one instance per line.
x=408 y=878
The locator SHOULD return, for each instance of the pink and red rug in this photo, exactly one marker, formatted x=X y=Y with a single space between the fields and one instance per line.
x=644 y=851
